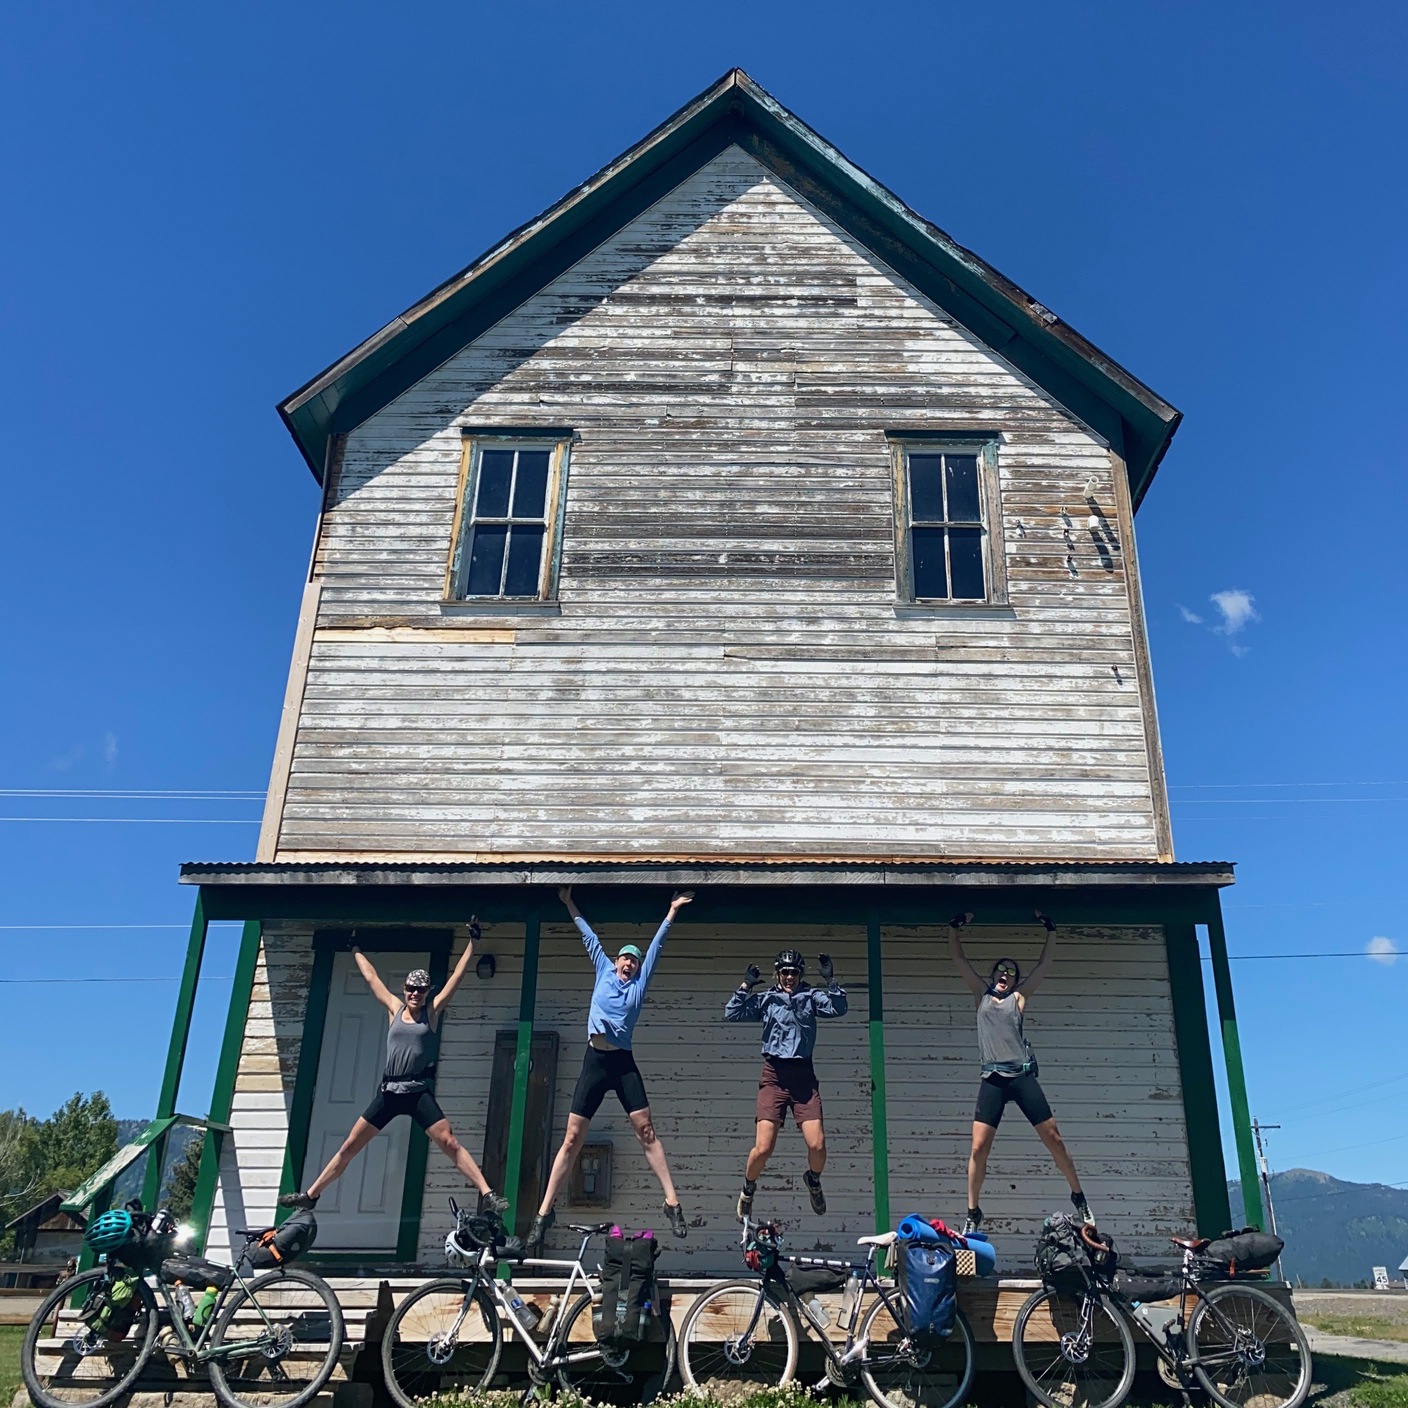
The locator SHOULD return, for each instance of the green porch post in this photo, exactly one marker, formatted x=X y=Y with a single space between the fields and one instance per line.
x=522 y=1062
x=222 y=1098
x=176 y=1051
x=879 y=1122
x=1232 y=1056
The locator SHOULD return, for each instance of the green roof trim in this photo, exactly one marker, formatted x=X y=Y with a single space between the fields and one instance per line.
x=735 y=111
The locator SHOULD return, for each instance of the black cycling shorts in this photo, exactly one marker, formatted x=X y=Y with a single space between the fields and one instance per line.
x=603 y=1072
x=1025 y=1091
x=422 y=1107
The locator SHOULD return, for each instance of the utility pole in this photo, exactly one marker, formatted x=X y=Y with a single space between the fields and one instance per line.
x=1257 y=1129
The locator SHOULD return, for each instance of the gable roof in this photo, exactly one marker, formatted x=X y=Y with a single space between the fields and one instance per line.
x=736 y=111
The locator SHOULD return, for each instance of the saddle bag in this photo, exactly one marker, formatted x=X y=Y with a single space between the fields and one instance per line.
x=629 y=1295
x=1245 y=1253
x=928 y=1279
x=281 y=1245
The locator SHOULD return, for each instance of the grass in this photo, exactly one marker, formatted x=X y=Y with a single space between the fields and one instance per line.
x=1368 y=1327
x=1358 y=1383
x=11 y=1337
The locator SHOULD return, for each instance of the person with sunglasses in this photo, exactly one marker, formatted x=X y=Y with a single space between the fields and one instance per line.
x=1009 y=1065
x=608 y=1067
x=407 y=1079
x=788 y=1011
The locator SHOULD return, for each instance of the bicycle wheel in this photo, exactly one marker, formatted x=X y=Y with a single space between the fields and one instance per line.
x=445 y=1337
x=1249 y=1351
x=716 y=1359
x=276 y=1341
x=632 y=1373
x=89 y=1355
x=901 y=1370
x=1073 y=1350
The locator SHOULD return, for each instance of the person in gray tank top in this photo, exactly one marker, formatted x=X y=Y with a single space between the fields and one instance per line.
x=1009 y=1069
x=407 y=1079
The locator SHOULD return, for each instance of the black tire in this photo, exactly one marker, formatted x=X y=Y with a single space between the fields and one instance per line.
x=708 y=1359
x=1259 y=1355
x=636 y=1374
x=60 y=1371
x=439 y=1308
x=903 y=1371
x=1066 y=1361
x=293 y=1326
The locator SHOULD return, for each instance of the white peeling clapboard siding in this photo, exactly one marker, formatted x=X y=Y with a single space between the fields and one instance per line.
x=727 y=674
x=252 y=1160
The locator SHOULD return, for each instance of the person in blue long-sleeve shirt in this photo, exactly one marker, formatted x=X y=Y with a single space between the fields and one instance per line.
x=608 y=1066
x=788 y=1011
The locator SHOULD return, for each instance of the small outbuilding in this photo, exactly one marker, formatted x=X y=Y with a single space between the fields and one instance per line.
x=45 y=1238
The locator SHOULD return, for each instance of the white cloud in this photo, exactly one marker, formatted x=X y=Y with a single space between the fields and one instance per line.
x=110 y=748
x=1237 y=608
x=1382 y=950
x=67 y=760
x=1192 y=617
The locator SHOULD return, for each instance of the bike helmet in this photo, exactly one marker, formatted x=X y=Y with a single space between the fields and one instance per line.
x=109 y=1231
x=790 y=958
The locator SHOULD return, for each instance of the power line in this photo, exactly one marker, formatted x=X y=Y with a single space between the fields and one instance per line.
x=204 y=977
x=1252 y=957
x=1345 y=1148
x=36 y=927
x=1184 y=786
x=148 y=820
x=245 y=794
x=1329 y=1099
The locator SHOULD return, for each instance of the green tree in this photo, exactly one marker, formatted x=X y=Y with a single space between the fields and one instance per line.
x=79 y=1137
x=181 y=1180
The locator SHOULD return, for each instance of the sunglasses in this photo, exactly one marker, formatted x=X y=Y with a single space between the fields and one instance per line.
x=409 y=988
x=1005 y=972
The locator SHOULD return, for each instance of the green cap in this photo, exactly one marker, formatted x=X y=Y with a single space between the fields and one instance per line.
x=633 y=951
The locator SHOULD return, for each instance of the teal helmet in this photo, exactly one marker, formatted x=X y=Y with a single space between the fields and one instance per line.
x=110 y=1231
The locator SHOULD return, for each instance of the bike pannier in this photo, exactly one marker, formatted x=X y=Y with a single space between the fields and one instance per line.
x=629 y=1297
x=1244 y=1253
x=281 y=1245
x=1061 y=1258
x=928 y=1278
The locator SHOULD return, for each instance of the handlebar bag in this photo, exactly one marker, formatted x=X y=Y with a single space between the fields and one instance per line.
x=629 y=1296
x=928 y=1277
x=1061 y=1258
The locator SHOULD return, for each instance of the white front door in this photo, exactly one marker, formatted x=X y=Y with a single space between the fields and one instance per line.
x=362 y=1210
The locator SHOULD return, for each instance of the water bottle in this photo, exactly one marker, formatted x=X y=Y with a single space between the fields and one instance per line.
x=820 y=1312
x=524 y=1313
x=206 y=1306
x=849 y=1297
x=643 y=1323
x=1160 y=1322
x=184 y=1303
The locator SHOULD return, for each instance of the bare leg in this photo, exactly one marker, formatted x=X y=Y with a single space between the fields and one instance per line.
x=763 y=1144
x=814 y=1132
x=654 y=1151
x=1061 y=1156
x=457 y=1154
x=978 y=1160
x=577 y=1126
x=362 y=1135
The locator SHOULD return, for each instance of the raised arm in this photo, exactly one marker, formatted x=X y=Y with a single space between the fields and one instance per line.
x=380 y=991
x=657 y=944
x=970 y=975
x=1048 y=952
x=441 y=1000
x=589 y=940
x=743 y=1004
x=830 y=1001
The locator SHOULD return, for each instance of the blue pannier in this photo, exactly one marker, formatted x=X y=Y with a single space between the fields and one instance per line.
x=928 y=1276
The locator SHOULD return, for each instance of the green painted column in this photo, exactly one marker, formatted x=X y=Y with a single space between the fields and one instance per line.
x=1236 y=1077
x=176 y=1050
x=879 y=1121
x=222 y=1097
x=522 y=1063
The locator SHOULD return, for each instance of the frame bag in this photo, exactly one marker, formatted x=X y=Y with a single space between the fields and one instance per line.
x=629 y=1295
x=928 y=1279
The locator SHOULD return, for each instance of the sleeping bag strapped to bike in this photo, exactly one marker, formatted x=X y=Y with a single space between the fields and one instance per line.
x=280 y=1245
x=928 y=1279
x=629 y=1297
x=1245 y=1253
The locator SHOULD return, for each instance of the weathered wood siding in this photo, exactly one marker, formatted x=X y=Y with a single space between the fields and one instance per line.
x=728 y=673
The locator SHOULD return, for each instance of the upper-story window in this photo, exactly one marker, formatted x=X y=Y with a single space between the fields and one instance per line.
x=508 y=519
x=946 y=501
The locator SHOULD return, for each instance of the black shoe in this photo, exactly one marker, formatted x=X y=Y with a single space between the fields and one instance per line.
x=542 y=1221
x=813 y=1182
x=973 y=1221
x=676 y=1215
x=304 y=1201
x=1083 y=1209
x=493 y=1203
x=745 y=1200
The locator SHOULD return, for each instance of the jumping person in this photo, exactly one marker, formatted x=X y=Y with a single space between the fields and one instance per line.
x=1009 y=1064
x=788 y=1011
x=407 y=1081
x=608 y=1066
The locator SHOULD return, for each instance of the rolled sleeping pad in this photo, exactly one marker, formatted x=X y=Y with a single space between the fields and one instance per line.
x=984 y=1253
x=916 y=1229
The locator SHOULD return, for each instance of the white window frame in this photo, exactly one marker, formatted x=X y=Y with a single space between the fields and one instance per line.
x=984 y=446
x=558 y=445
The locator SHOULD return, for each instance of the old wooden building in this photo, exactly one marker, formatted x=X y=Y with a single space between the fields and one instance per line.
x=727 y=526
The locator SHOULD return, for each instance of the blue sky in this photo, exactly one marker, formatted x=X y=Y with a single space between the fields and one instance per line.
x=205 y=207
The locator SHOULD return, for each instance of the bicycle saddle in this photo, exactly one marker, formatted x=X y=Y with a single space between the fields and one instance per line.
x=596 y=1229
x=881 y=1239
x=1192 y=1244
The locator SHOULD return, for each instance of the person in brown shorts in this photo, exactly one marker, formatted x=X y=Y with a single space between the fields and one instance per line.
x=788 y=1011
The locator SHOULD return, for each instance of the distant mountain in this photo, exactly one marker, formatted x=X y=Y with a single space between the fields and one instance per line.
x=1334 y=1230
